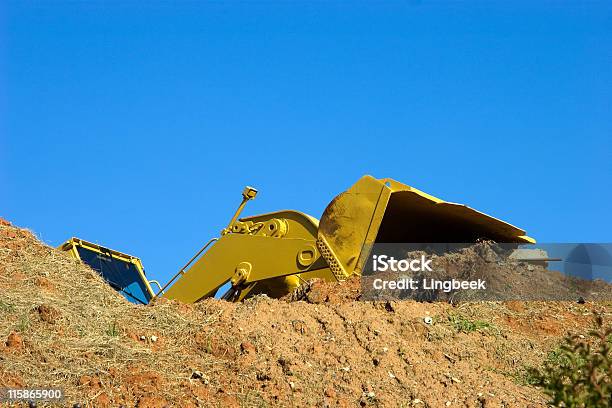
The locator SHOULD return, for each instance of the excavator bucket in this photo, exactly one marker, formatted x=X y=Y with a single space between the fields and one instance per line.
x=387 y=211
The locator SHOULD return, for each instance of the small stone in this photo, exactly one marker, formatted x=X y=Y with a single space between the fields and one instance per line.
x=247 y=347
x=47 y=313
x=14 y=341
x=292 y=385
x=299 y=326
x=448 y=403
x=428 y=320
x=198 y=375
x=154 y=339
x=143 y=338
x=345 y=369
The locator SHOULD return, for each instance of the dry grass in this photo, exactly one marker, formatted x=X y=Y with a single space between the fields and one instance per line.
x=91 y=330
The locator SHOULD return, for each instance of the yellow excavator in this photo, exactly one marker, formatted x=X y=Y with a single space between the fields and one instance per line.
x=274 y=253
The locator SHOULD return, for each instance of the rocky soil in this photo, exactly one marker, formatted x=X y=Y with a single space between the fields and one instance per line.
x=62 y=326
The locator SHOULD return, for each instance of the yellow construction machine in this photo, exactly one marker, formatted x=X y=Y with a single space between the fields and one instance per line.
x=274 y=253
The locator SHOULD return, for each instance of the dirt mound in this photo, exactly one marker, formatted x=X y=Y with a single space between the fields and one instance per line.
x=505 y=279
x=508 y=279
x=320 y=291
x=64 y=327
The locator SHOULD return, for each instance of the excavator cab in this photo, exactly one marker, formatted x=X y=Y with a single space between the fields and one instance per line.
x=122 y=272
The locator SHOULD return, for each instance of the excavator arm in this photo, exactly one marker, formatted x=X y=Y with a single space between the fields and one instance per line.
x=245 y=260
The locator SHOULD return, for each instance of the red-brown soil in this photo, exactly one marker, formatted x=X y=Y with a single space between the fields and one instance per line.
x=62 y=326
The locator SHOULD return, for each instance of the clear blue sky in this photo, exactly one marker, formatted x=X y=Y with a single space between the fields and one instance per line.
x=137 y=126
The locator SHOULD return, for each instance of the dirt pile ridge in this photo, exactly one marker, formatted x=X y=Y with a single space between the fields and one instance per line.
x=64 y=327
